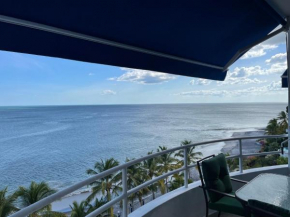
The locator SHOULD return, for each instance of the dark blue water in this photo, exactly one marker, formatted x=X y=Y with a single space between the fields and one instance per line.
x=58 y=143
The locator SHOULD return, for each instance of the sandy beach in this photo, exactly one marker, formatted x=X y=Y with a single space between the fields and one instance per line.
x=231 y=147
x=63 y=205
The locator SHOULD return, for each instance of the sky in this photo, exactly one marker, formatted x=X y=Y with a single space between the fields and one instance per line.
x=37 y=80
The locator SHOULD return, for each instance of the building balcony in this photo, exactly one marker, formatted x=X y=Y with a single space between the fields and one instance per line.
x=186 y=201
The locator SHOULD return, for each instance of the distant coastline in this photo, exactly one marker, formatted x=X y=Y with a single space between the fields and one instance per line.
x=249 y=145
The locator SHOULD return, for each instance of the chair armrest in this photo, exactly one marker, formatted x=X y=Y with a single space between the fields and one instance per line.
x=238 y=180
x=218 y=192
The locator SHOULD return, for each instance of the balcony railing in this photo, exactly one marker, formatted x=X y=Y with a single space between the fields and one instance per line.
x=125 y=192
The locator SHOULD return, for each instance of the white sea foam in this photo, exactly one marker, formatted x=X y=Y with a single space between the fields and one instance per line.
x=44 y=132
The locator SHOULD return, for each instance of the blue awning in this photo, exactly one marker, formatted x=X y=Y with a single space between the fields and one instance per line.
x=285 y=79
x=169 y=36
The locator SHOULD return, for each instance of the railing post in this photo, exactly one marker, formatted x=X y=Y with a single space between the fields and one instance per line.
x=186 y=170
x=241 y=156
x=125 y=190
x=288 y=79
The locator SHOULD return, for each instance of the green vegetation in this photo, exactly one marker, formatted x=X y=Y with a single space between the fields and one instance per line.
x=135 y=176
x=192 y=156
x=142 y=172
x=80 y=209
x=276 y=126
x=34 y=193
x=25 y=197
x=109 y=187
x=84 y=208
x=53 y=214
x=150 y=168
x=165 y=163
x=7 y=203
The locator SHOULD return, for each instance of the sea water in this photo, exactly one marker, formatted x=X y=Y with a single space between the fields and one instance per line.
x=57 y=144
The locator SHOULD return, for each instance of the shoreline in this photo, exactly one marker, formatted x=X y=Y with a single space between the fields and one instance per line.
x=231 y=147
x=249 y=145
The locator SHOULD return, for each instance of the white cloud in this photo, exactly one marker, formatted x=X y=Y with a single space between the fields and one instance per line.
x=270 y=44
x=108 y=92
x=246 y=71
x=143 y=76
x=212 y=92
x=259 y=50
x=263 y=90
x=200 y=81
x=277 y=68
x=241 y=75
x=278 y=63
x=278 y=58
x=244 y=75
x=242 y=80
x=90 y=74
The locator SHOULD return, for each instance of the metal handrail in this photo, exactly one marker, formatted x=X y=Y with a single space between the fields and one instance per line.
x=58 y=195
x=282 y=145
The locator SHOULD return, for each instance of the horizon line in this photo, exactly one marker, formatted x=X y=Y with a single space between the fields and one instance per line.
x=139 y=104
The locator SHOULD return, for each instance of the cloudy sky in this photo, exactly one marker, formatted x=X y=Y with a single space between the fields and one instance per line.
x=35 y=80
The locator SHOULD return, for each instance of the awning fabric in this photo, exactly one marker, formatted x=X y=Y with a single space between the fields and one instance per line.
x=285 y=79
x=208 y=31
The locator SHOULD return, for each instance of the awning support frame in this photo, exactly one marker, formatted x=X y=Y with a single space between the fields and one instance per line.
x=288 y=67
x=46 y=28
x=51 y=29
x=247 y=48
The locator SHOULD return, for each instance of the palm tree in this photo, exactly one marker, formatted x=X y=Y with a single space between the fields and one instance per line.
x=283 y=121
x=272 y=127
x=192 y=156
x=136 y=175
x=97 y=204
x=34 y=193
x=80 y=209
x=151 y=169
x=108 y=186
x=53 y=214
x=166 y=163
x=177 y=181
x=84 y=208
x=7 y=206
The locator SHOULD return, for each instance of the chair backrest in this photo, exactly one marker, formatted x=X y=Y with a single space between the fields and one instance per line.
x=261 y=209
x=216 y=176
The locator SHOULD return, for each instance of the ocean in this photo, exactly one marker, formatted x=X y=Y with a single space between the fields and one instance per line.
x=58 y=144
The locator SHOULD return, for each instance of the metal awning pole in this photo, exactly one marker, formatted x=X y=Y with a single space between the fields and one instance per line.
x=288 y=67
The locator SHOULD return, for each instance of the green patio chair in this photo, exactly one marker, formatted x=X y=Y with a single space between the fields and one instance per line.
x=261 y=209
x=217 y=186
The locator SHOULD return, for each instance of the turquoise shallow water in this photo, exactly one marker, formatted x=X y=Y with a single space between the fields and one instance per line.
x=58 y=143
